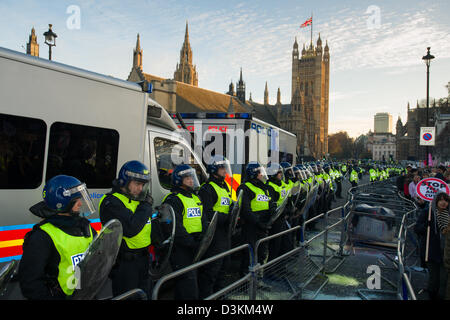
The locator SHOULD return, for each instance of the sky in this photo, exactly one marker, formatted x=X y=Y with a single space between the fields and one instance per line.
x=376 y=47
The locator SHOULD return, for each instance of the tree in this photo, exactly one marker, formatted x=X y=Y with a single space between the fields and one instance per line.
x=340 y=145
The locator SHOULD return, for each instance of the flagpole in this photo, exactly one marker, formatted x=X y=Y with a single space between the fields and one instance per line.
x=311 y=27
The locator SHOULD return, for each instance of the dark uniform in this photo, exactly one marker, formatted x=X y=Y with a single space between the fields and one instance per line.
x=132 y=264
x=215 y=196
x=256 y=209
x=190 y=223
x=42 y=267
x=54 y=247
x=131 y=269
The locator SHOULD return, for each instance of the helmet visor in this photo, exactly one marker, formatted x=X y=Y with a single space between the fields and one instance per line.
x=84 y=205
x=262 y=174
x=224 y=166
x=275 y=170
x=189 y=178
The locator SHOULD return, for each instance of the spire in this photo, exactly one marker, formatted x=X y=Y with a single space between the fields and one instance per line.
x=186 y=34
x=266 y=95
x=137 y=54
x=186 y=72
x=319 y=41
x=240 y=89
x=279 y=96
x=295 y=43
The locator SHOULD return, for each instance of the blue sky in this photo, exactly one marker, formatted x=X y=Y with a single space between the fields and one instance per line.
x=375 y=67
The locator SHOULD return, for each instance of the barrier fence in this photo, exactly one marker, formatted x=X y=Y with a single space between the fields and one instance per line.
x=302 y=272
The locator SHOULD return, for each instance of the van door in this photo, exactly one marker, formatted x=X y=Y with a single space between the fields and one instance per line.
x=166 y=151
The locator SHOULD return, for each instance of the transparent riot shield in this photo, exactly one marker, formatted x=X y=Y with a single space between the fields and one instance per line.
x=234 y=215
x=6 y=274
x=166 y=217
x=309 y=201
x=99 y=258
x=207 y=238
x=280 y=209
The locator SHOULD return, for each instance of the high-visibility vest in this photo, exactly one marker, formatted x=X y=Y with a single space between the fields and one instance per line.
x=281 y=190
x=143 y=238
x=192 y=213
x=71 y=251
x=261 y=200
x=223 y=199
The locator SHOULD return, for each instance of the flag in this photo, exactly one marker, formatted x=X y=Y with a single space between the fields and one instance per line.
x=306 y=23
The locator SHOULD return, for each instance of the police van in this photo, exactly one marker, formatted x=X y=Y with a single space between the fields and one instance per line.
x=58 y=119
x=240 y=137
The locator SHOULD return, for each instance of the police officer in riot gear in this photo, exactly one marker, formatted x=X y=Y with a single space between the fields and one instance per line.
x=278 y=191
x=190 y=222
x=216 y=197
x=56 y=245
x=256 y=209
x=130 y=202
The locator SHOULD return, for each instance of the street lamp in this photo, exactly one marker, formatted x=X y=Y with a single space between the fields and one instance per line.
x=50 y=40
x=427 y=59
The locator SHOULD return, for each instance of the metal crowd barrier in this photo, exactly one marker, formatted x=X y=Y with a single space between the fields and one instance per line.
x=406 y=244
x=288 y=276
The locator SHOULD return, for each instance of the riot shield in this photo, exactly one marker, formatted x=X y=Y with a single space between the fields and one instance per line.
x=93 y=270
x=166 y=217
x=207 y=238
x=280 y=209
x=309 y=201
x=6 y=275
x=234 y=214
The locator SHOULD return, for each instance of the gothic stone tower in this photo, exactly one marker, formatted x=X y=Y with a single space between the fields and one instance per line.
x=310 y=96
x=186 y=72
x=32 y=45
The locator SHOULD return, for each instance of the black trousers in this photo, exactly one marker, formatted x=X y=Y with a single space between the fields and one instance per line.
x=210 y=275
x=250 y=234
x=131 y=271
x=186 y=285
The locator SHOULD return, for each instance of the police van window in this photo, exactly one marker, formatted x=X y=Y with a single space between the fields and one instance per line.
x=168 y=155
x=87 y=153
x=22 y=148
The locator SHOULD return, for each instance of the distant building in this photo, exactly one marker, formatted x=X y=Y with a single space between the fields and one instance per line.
x=407 y=134
x=382 y=146
x=32 y=45
x=383 y=123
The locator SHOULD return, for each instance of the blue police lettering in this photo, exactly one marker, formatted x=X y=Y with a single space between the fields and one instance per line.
x=193 y=212
x=262 y=197
x=76 y=259
x=225 y=201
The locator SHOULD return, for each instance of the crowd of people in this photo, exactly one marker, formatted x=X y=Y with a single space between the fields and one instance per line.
x=431 y=224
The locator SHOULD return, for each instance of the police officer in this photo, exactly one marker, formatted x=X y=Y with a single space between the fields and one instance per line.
x=277 y=191
x=54 y=246
x=130 y=202
x=216 y=197
x=256 y=209
x=353 y=178
x=189 y=225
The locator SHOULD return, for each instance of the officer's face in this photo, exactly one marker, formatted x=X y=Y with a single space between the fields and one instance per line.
x=222 y=172
x=188 y=181
x=135 y=187
x=77 y=206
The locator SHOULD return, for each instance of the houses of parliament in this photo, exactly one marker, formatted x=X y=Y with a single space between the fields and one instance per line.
x=306 y=115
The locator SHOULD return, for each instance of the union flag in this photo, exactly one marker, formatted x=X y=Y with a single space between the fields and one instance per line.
x=306 y=23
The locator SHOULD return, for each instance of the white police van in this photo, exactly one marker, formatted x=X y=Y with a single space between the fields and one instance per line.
x=58 y=119
x=241 y=138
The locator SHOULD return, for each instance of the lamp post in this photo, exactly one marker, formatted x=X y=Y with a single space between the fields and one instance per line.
x=50 y=40
x=427 y=59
